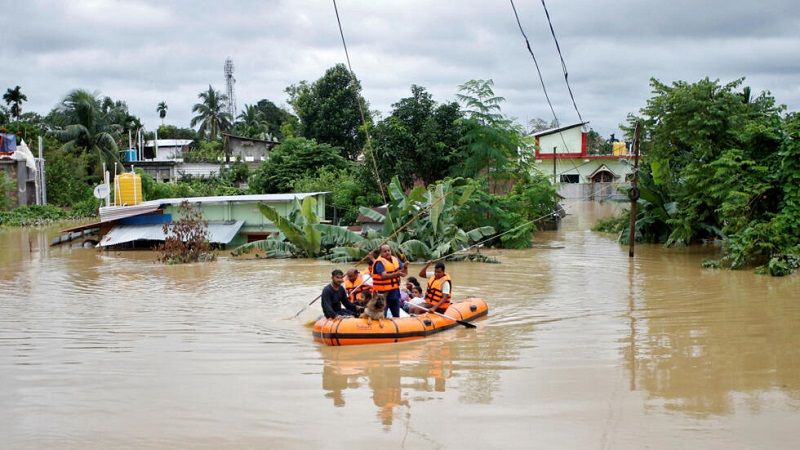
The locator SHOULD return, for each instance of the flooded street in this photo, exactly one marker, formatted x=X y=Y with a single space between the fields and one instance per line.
x=582 y=348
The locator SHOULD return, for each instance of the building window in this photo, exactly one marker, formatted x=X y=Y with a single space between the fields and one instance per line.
x=570 y=178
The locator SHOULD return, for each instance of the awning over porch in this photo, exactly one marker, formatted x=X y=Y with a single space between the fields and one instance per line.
x=218 y=232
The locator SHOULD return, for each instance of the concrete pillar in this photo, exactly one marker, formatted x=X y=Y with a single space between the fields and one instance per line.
x=22 y=184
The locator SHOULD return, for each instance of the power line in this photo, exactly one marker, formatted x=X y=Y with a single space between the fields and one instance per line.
x=544 y=89
x=536 y=63
x=360 y=107
x=563 y=64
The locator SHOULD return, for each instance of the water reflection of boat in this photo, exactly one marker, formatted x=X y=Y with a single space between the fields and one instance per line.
x=387 y=371
x=354 y=331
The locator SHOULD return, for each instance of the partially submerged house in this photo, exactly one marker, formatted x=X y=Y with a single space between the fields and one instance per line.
x=563 y=154
x=232 y=220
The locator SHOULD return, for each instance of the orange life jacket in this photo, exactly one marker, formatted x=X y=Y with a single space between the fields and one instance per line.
x=381 y=284
x=356 y=288
x=434 y=292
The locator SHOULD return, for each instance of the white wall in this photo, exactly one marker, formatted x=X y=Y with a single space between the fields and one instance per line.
x=572 y=137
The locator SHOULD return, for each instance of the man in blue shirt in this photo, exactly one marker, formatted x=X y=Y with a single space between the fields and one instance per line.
x=386 y=272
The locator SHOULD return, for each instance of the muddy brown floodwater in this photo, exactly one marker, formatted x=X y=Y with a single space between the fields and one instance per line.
x=583 y=348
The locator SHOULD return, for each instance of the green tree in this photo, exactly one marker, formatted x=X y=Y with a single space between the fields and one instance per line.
x=14 y=98
x=491 y=142
x=251 y=123
x=115 y=116
x=67 y=180
x=87 y=130
x=162 y=111
x=723 y=165
x=597 y=145
x=347 y=191
x=418 y=140
x=6 y=185
x=275 y=118
x=292 y=160
x=173 y=132
x=211 y=114
x=328 y=110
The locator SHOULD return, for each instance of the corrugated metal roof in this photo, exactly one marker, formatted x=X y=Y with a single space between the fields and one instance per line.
x=120 y=212
x=109 y=213
x=218 y=233
x=266 y=198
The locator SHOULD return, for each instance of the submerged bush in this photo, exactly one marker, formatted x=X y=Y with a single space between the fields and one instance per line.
x=187 y=238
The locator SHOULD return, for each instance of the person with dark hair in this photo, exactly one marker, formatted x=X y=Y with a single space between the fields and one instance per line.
x=386 y=273
x=440 y=288
x=334 y=297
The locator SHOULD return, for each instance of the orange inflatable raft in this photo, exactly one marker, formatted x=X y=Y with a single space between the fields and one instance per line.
x=355 y=331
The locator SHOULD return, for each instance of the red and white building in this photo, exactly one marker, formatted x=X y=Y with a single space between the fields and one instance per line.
x=563 y=154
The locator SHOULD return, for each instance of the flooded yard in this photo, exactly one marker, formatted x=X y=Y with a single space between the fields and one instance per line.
x=583 y=348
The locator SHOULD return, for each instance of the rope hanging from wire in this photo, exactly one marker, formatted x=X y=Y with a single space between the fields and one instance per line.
x=563 y=64
x=360 y=107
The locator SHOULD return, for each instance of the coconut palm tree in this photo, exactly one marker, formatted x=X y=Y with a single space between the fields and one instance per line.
x=14 y=98
x=86 y=129
x=251 y=123
x=162 y=111
x=211 y=116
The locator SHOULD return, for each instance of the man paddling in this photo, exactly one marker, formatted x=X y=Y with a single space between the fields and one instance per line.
x=334 y=297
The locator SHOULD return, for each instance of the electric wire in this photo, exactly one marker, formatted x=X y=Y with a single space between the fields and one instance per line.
x=544 y=88
x=563 y=64
x=360 y=107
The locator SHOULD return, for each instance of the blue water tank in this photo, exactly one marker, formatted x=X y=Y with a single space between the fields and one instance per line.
x=130 y=155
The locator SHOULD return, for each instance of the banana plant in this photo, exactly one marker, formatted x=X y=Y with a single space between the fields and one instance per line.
x=299 y=234
x=428 y=216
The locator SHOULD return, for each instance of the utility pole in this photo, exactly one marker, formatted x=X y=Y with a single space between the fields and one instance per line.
x=633 y=194
x=554 y=165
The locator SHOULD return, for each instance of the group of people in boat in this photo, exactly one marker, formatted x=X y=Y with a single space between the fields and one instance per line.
x=345 y=295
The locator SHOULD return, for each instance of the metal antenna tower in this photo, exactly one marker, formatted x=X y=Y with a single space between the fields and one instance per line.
x=229 y=82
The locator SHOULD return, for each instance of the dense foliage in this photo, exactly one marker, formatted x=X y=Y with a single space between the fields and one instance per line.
x=293 y=159
x=7 y=185
x=329 y=110
x=417 y=225
x=322 y=149
x=721 y=164
x=35 y=215
x=418 y=140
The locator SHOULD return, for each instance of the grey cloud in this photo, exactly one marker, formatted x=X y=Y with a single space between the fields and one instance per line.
x=144 y=52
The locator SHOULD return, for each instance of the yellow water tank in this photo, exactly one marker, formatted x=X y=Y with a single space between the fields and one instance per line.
x=128 y=189
x=620 y=149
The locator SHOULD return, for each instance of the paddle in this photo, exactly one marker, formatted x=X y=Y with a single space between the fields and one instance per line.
x=320 y=296
x=460 y=322
x=380 y=245
x=306 y=307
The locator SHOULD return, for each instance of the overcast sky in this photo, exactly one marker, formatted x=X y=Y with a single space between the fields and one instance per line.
x=144 y=52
